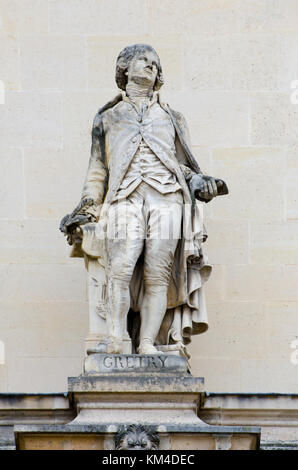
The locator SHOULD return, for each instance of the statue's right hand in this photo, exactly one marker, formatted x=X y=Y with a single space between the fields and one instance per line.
x=75 y=236
x=70 y=222
x=70 y=226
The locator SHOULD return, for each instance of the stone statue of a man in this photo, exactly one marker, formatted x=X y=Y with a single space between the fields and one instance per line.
x=139 y=215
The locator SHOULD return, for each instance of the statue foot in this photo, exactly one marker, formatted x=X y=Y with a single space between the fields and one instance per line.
x=119 y=346
x=146 y=347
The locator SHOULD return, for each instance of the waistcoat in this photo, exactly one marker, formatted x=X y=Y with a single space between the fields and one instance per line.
x=146 y=166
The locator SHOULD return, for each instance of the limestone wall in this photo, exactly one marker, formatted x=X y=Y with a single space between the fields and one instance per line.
x=229 y=66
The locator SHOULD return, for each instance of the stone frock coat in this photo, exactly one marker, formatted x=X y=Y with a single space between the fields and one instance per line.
x=117 y=132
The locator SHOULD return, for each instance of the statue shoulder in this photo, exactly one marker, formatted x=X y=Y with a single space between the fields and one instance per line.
x=97 y=121
x=180 y=122
x=110 y=104
x=179 y=118
x=99 y=116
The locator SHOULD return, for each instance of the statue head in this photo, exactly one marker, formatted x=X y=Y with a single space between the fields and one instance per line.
x=139 y=62
x=136 y=437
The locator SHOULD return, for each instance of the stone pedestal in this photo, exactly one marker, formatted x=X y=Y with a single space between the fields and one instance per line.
x=127 y=389
x=155 y=391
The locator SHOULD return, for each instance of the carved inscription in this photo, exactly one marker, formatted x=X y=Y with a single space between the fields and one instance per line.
x=134 y=362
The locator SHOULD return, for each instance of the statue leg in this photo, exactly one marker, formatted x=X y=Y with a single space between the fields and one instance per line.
x=119 y=302
x=164 y=229
x=152 y=313
x=125 y=240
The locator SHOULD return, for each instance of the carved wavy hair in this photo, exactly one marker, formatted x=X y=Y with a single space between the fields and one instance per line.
x=125 y=57
x=137 y=430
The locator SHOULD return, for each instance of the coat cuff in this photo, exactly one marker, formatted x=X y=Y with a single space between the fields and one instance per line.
x=187 y=172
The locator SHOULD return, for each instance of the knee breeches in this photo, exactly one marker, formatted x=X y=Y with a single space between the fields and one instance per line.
x=145 y=221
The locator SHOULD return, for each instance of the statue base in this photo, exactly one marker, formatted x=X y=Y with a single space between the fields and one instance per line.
x=130 y=388
x=117 y=391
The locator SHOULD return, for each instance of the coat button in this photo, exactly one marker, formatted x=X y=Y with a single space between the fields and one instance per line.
x=134 y=139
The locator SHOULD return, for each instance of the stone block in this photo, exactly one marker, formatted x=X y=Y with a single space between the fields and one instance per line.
x=227 y=243
x=188 y=16
x=215 y=287
x=77 y=122
x=123 y=398
x=236 y=329
x=27 y=16
x=2 y=352
x=46 y=374
x=288 y=69
x=103 y=52
x=245 y=442
x=226 y=63
x=190 y=442
x=32 y=119
x=262 y=282
x=135 y=383
x=7 y=440
x=292 y=155
x=214 y=118
x=292 y=194
x=9 y=64
x=170 y=51
x=268 y=375
x=29 y=329
x=276 y=413
x=274 y=119
x=56 y=442
x=37 y=403
x=275 y=243
x=255 y=177
x=221 y=441
x=3 y=378
x=41 y=283
x=54 y=180
x=53 y=63
x=280 y=318
x=220 y=372
x=33 y=242
x=12 y=184
x=22 y=408
x=92 y=16
x=203 y=157
x=267 y=16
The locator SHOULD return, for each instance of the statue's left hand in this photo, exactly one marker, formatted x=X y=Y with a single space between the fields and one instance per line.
x=204 y=187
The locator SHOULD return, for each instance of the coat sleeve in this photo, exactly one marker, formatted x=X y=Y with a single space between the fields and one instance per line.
x=97 y=173
x=183 y=145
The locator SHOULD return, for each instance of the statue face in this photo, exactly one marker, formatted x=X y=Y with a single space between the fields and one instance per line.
x=143 y=68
